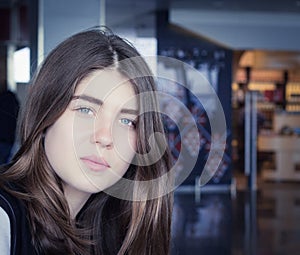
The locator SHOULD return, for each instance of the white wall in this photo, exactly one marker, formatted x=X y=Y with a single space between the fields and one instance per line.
x=62 y=18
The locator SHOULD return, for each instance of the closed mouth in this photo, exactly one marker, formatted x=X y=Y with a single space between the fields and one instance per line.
x=95 y=163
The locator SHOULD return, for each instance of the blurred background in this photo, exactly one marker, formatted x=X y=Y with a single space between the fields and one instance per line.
x=249 y=52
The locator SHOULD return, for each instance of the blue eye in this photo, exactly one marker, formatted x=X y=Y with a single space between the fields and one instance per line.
x=128 y=122
x=85 y=110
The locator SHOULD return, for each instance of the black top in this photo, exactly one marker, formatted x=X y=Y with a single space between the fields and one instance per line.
x=20 y=233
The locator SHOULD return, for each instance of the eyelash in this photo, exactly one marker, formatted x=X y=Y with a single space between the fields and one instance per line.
x=81 y=110
x=132 y=122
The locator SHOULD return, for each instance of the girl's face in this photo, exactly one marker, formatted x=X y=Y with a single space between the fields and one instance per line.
x=91 y=145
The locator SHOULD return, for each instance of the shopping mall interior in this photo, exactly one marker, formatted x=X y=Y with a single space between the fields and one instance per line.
x=235 y=65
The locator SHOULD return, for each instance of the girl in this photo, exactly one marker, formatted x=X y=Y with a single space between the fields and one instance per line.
x=84 y=141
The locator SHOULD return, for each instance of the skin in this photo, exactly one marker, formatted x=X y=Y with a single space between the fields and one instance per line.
x=91 y=145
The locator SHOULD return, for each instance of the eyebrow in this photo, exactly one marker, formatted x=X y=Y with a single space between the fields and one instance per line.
x=90 y=99
x=129 y=111
x=99 y=102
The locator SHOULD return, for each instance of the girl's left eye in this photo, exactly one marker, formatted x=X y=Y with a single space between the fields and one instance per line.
x=128 y=122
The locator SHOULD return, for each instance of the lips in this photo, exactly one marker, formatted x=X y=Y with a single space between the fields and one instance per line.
x=95 y=163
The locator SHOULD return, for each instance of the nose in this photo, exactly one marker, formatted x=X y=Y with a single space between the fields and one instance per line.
x=102 y=133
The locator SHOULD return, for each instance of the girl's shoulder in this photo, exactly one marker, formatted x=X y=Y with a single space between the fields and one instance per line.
x=4 y=232
x=20 y=235
x=13 y=207
x=10 y=204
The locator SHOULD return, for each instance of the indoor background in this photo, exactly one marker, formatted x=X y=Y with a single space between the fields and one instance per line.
x=249 y=52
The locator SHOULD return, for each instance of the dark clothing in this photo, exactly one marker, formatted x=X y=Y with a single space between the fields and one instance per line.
x=20 y=232
x=9 y=108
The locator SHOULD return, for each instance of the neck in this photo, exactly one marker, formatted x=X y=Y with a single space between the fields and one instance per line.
x=76 y=199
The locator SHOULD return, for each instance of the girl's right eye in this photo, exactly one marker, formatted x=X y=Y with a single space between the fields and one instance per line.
x=85 y=110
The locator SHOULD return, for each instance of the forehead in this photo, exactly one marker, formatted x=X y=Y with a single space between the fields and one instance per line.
x=108 y=85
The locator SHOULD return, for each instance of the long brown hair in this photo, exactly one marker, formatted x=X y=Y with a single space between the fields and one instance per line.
x=106 y=224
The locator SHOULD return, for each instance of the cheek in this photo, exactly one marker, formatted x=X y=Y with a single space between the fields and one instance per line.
x=58 y=143
x=82 y=134
x=125 y=145
x=132 y=139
